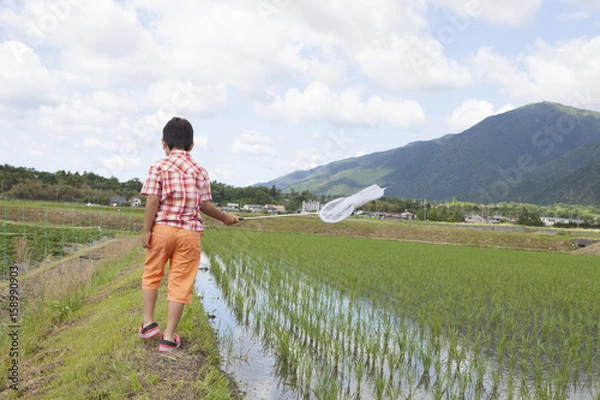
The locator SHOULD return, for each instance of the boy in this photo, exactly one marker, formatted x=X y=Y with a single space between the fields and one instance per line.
x=177 y=189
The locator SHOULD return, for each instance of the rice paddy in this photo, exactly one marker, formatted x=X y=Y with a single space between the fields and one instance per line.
x=375 y=319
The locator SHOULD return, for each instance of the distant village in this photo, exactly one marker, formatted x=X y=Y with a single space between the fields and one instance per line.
x=311 y=207
x=314 y=206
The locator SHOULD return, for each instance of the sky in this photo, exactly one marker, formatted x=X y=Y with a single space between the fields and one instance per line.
x=275 y=86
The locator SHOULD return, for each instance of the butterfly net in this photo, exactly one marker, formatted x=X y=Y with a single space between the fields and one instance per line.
x=339 y=209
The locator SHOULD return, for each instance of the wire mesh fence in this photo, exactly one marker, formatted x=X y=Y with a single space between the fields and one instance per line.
x=36 y=231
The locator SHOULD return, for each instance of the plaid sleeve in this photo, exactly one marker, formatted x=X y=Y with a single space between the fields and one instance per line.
x=153 y=183
x=204 y=188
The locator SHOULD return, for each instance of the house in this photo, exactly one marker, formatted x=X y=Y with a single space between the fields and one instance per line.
x=310 y=206
x=274 y=209
x=474 y=219
x=231 y=207
x=551 y=221
x=403 y=215
x=117 y=201
x=253 y=208
x=497 y=219
x=135 y=201
x=408 y=216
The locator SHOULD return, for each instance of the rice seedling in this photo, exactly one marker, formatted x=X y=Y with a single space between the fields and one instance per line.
x=383 y=319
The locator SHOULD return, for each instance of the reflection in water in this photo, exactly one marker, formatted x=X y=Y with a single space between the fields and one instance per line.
x=252 y=365
x=285 y=336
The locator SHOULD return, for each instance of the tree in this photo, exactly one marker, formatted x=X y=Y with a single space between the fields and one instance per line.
x=529 y=218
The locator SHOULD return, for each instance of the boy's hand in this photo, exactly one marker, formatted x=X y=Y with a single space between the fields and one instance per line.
x=146 y=239
x=209 y=209
x=231 y=219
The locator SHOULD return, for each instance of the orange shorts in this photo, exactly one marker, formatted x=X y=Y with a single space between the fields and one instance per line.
x=182 y=248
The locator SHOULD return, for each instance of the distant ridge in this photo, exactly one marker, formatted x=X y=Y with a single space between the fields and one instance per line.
x=539 y=153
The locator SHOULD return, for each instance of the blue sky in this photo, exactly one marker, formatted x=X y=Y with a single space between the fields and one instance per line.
x=273 y=86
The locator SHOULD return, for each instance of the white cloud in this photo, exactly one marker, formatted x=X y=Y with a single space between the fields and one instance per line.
x=409 y=63
x=574 y=16
x=89 y=113
x=471 y=112
x=35 y=153
x=593 y=4
x=25 y=81
x=253 y=143
x=116 y=164
x=509 y=12
x=221 y=172
x=201 y=142
x=173 y=97
x=308 y=158
x=96 y=143
x=324 y=67
x=318 y=102
x=565 y=72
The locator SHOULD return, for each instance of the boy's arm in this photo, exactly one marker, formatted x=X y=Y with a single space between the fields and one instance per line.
x=209 y=209
x=152 y=203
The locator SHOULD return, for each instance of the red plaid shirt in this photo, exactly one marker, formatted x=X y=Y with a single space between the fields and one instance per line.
x=182 y=185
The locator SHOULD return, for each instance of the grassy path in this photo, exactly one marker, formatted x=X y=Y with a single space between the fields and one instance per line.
x=77 y=337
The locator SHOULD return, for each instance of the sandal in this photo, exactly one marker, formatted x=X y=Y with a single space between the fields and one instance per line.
x=148 y=332
x=166 y=346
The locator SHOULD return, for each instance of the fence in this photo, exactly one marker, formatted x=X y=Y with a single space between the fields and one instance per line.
x=33 y=231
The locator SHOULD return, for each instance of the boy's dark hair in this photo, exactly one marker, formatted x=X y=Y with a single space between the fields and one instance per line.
x=178 y=134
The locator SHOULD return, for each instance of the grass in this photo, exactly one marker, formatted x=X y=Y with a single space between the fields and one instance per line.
x=77 y=338
x=426 y=232
x=79 y=314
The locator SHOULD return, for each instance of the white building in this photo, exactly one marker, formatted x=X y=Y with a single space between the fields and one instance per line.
x=310 y=206
x=231 y=207
x=474 y=219
x=551 y=221
x=274 y=209
x=253 y=208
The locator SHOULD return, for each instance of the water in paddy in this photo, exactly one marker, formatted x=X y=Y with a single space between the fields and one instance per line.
x=307 y=341
x=301 y=370
x=252 y=365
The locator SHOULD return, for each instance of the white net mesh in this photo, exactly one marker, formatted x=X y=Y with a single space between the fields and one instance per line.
x=339 y=209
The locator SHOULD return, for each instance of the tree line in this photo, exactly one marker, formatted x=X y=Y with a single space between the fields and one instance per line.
x=87 y=187
x=63 y=186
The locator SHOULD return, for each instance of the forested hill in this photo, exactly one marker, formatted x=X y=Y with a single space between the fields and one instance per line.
x=540 y=153
x=29 y=183
x=87 y=187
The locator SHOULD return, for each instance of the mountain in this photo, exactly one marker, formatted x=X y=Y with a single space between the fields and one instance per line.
x=539 y=152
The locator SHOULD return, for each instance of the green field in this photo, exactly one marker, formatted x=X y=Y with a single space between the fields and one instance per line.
x=374 y=309
x=412 y=320
x=31 y=231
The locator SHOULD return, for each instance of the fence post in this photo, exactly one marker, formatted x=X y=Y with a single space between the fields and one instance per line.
x=73 y=238
x=91 y=231
x=46 y=234
x=5 y=257
x=62 y=231
x=23 y=216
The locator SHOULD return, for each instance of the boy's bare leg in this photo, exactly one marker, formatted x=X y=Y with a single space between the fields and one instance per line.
x=174 y=311
x=149 y=305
